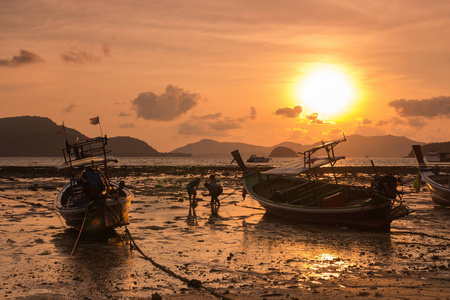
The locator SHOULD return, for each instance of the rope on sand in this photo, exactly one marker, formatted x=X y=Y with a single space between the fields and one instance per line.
x=191 y=283
x=422 y=234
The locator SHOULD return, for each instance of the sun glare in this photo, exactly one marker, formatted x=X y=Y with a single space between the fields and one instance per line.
x=326 y=90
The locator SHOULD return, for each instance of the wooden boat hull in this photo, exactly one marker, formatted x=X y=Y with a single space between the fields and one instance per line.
x=362 y=212
x=440 y=194
x=371 y=217
x=438 y=182
x=90 y=216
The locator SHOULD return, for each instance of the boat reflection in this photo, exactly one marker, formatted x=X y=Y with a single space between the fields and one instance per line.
x=100 y=263
x=191 y=219
x=314 y=252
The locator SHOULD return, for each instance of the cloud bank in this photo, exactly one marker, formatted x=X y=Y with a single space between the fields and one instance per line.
x=24 y=58
x=428 y=108
x=165 y=107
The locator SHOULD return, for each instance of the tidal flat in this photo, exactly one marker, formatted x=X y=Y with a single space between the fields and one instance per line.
x=242 y=253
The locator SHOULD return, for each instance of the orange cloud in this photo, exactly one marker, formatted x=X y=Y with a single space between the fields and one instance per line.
x=25 y=57
x=213 y=124
x=165 y=107
x=288 y=112
x=428 y=108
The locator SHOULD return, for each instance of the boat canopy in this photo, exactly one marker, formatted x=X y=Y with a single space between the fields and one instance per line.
x=299 y=167
x=87 y=161
x=309 y=162
x=88 y=153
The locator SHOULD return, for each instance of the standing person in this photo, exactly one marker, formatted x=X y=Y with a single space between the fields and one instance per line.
x=192 y=191
x=215 y=190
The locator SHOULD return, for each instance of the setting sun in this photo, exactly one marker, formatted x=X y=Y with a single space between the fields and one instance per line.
x=326 y=90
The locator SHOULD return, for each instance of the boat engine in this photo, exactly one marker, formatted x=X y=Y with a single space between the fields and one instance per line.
x=385 y=184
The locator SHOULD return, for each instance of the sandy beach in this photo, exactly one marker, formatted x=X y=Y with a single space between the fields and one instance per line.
x=242 y=253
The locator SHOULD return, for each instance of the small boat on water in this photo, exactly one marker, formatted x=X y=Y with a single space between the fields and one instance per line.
x=307 y=199
x=433 y=156
x=90 y=201
x=258 y=159
x=436 y=179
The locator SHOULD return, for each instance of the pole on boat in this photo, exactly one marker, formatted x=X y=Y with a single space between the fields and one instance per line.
x=66 y=154
x=373 y=166
x=238 y=158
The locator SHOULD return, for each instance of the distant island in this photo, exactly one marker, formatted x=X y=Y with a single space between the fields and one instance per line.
x=433 y=147
x=33 y=136
x=283 y=152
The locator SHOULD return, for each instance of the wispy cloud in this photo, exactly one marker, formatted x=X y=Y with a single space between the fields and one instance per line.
x=81 y=56
x=366 y=121
x=106 y=48
x=69 y=108
x=25 y=57
x=127 y=125
x=297 y=133
x=417 y=122
x=200 y=126
x=252 y=113
x=213 y=124
x=78 y=56
x=314 y=118
x=165 y=107
x=391 y=121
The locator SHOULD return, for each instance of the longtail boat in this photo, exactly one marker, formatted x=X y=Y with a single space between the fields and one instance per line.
x=91 y=201
x=436 y=178
x=283 y=192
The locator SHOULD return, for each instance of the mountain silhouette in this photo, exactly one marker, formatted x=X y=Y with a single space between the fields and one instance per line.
x=355 y=146
x=31 y=136
x=207 y=147
x=34 y=136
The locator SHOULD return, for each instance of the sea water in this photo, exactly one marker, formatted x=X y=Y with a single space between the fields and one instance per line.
x=204 y=161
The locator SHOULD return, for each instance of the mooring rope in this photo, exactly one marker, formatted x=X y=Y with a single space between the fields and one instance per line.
x=422 y=234
x=191 y=283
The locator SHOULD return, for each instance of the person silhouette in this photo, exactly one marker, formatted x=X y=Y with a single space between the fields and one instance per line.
x=192 y=191
x=215 y=190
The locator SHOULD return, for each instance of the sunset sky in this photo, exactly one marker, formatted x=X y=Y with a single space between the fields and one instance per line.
x=260 y=72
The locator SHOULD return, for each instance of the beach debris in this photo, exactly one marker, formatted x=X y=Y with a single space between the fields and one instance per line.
x=195 y=283
x=156 y=296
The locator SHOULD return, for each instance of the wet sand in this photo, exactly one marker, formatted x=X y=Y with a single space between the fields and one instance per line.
x=242 y=253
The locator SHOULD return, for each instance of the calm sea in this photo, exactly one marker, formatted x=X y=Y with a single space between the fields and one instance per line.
x=201 y=161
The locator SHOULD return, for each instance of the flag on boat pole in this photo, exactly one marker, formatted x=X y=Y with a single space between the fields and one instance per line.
x=95 y=121
x=61 y=129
